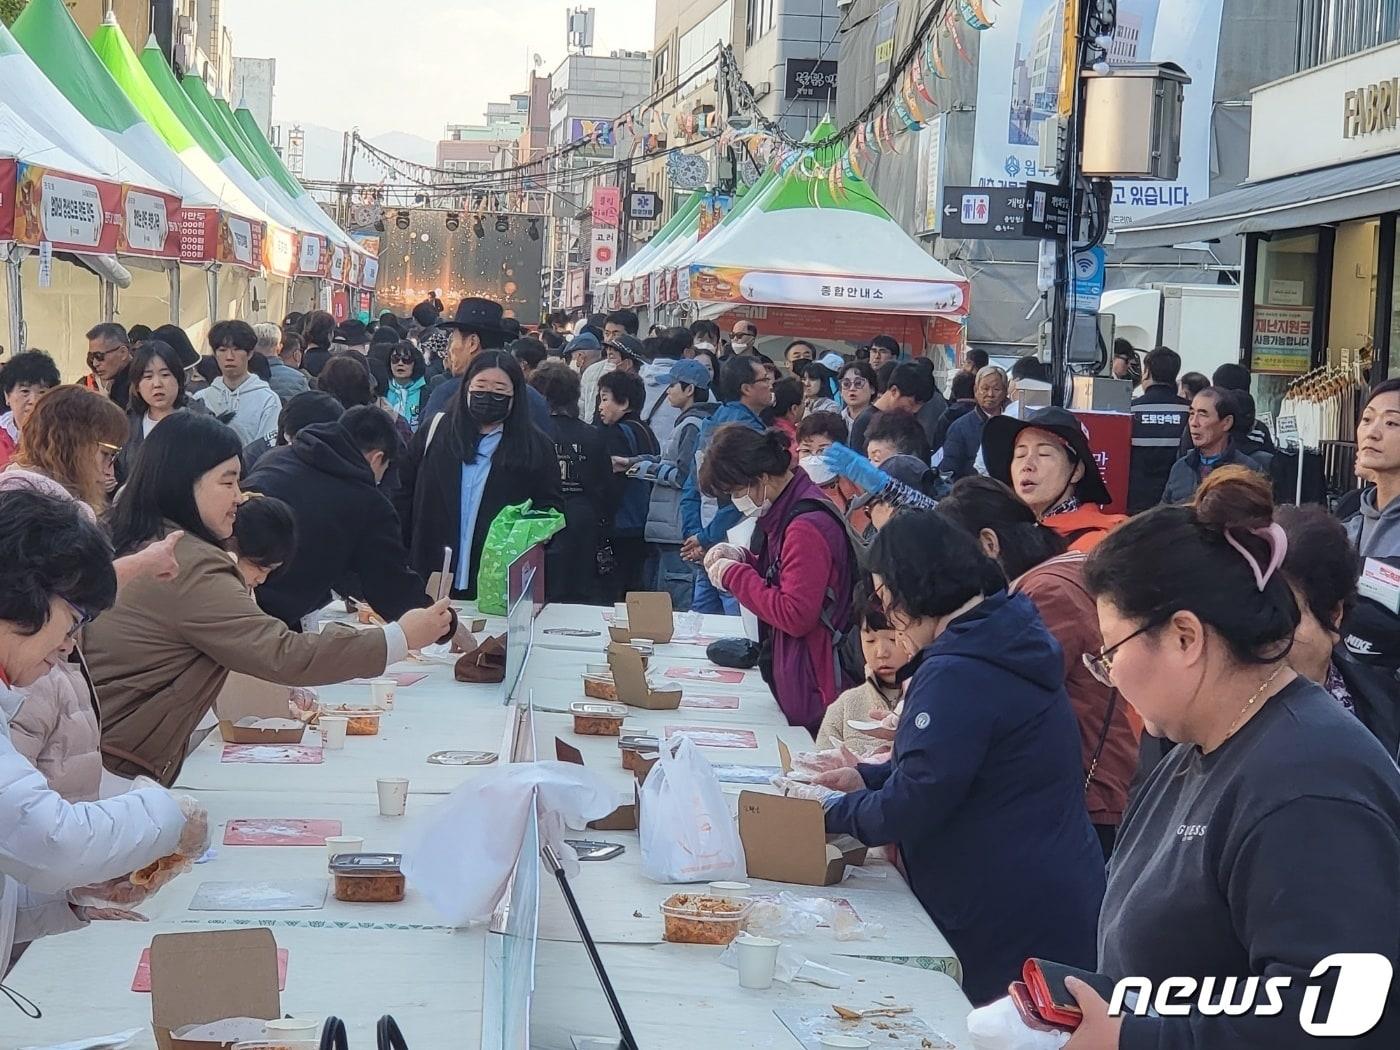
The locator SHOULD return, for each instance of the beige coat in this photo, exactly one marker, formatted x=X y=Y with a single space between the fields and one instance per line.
x=855 y=705
x=159 y=657
x=56 y=729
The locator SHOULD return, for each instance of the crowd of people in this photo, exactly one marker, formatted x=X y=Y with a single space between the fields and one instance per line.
x=1155 y=743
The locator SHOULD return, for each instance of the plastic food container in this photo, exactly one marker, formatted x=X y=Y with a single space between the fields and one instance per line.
x=638 y=750
x=598 y=682
x=693 y=918
x=363 y=721
x=597 y=719
x=368 y=878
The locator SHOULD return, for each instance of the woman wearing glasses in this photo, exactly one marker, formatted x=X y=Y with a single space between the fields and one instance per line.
x=55 y=573
x=1035 y=560
x=856 y=382
x=984 y=794
x=1269 y=838
x=407 y=385
x=67 y=451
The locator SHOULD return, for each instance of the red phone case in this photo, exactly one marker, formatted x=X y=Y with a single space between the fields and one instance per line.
x=1063 y=1017
x=1025 y=1006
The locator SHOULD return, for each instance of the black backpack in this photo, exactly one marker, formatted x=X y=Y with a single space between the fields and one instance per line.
x=847 y=656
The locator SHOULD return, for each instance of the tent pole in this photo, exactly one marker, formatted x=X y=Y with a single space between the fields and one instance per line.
x=14 y=298
x=172 y=274
x=211 y=285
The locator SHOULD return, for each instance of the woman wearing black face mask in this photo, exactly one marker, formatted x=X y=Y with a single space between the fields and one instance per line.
x=484 y=453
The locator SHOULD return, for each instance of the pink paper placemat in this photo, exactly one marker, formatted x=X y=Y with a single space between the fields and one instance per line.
x=708 y=736
x=274 y=754
x=710 y=703
x=279 y=832
x=712 y=675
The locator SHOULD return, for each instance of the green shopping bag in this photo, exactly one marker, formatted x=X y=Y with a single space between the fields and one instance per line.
x=515 y=530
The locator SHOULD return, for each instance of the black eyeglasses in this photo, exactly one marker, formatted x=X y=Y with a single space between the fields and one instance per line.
x=98 y=356
x=1100 y=664
x=400 y=359
x=81 y=618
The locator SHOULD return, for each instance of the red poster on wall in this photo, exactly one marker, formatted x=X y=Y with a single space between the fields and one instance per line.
x=1111 y=440
x=151 y=223
x=72 y=212
x=340 y=305
x=7 y=199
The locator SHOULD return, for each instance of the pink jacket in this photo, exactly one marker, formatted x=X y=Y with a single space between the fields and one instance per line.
x=56 y=728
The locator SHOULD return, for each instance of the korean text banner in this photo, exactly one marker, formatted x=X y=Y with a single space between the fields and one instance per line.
x=1018 y=85
x=72 y=212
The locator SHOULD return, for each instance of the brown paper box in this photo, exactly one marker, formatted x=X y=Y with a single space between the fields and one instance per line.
x=236 y=734
x=630 y=678
x=201 y=977
x=649 y=615
x=785 y=840
x=244 y=696
x=624 y=818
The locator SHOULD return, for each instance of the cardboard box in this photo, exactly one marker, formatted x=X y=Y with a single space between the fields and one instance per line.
x=630 y=679
x=237 y=734
x=201 y=977
x=244 y=696
x=785 y=840
x=624 y=818
x=649 y=615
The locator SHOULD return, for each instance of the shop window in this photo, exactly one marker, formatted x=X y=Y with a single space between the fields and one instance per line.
x=1352 y=316
x=1285 y=295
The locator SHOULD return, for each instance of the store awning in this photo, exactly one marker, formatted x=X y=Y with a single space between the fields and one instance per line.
x=1349 y=191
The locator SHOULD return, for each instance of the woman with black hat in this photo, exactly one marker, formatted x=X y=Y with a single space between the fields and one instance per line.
x=1046 y=459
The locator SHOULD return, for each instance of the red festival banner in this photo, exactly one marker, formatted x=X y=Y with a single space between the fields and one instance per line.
x=279 y=253
x=152 y=223
x=7 y=199
x=74 y=213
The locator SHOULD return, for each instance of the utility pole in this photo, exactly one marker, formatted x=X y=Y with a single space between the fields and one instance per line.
x=624 y=233
x=1088 y=32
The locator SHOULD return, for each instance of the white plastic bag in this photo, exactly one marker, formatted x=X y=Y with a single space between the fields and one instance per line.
x=997 y=1026
x=462 y=856
x=687 y=832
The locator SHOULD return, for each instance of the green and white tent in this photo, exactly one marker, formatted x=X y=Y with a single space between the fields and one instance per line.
x=796 y=242
x=284 y=178
x=115 y=52
x=49 y=35
x=32 y=110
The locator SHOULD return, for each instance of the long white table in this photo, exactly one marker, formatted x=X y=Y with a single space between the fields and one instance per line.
x=360 y=961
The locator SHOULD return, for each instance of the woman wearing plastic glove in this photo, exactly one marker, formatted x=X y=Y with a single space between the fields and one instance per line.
x=798 y=578
x=56 y=574
x=984 y=795
x=161 y=655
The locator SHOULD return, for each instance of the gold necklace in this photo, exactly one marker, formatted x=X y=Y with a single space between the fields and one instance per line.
x=1250 y=702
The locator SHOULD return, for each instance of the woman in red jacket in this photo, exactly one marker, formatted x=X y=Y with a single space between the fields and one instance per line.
x=796 y=580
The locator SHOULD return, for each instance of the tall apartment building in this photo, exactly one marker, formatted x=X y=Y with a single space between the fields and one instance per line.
x=254 y=83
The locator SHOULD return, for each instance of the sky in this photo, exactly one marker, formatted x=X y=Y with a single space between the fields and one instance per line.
x=413 y=65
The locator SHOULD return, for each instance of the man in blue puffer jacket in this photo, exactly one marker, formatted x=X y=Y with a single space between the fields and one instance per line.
x=745 y=383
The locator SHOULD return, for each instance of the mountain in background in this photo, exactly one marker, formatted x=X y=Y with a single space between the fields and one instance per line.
x=323 y=148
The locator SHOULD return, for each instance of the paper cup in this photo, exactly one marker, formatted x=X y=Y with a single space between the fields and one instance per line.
x=333 y=731
x=381 y=692
x=758 y=958
x=291 y=1026
x=731 y=890
x=338 y=844
x=393 y=796
x=840 y=1041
